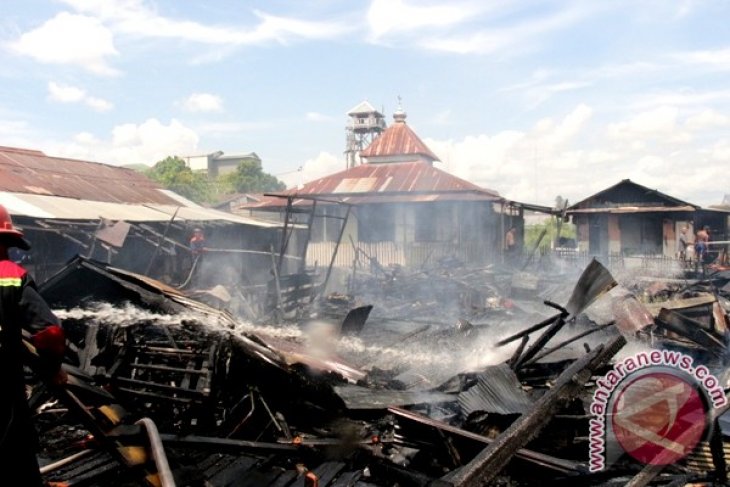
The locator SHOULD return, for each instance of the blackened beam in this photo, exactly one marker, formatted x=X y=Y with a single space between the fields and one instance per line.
x=160 y=387
x=63 y=232
x=540 y=342
x=560 y=345
x=490 y=462
x=529 y=330
x=148 y=229
x=515 y=359
x=225 y=443
x=690 y=329
x=167 y=368
x=554 y=463
x=157 y=397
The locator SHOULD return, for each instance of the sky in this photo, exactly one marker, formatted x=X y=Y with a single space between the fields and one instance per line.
x=533 y=99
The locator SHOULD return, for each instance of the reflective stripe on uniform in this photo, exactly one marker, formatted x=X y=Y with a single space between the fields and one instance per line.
x=10 y=281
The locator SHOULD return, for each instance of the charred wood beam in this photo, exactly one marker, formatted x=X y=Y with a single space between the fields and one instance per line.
x=690 y=329
x=62 y=232
x=554 y=463
x=490 y=462
x=161 y=387
x=166 y=368
x=156 y=397
x=514 y=360
x=142 y=228
x=529 y=330
x=540 y=343
x=560 y=345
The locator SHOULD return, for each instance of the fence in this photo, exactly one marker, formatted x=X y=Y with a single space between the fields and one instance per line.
x=650 y=265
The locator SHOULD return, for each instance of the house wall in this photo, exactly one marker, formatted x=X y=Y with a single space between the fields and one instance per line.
x=614 y=234
x=197 y=163
x=422 y=232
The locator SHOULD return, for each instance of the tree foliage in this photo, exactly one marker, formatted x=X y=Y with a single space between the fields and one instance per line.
x=172 y=173
x=249 y=177
x=551 y=227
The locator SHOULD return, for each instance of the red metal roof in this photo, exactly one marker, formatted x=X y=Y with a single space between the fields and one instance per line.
x=408 y=182
x=30 y=171
x=398 y=140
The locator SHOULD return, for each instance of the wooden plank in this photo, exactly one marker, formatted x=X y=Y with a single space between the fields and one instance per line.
x=490 y=462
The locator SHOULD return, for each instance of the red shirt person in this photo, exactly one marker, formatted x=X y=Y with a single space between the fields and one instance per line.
x=22 y=308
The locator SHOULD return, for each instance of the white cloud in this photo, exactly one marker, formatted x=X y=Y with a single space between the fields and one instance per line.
x=576 y=156
x=707 y=119
x=517 y=38
x=130 y=143
x=133 y=17
x=317 y=117
x=71 y=94
x=322 y=165
x=70 y=39
x=661 y=121
x=65 y=93
x=718 y=59
x=98 y=104
x=397 y=16
x=203 y=102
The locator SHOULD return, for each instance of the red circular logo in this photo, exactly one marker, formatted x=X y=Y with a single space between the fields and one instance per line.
x=658 y=417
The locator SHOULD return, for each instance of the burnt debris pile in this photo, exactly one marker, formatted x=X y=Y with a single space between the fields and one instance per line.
x=455 y=377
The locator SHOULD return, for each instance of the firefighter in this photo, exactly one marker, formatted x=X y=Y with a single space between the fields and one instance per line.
x=21 y=307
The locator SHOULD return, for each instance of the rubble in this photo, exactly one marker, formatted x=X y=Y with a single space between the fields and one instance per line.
x=458 y=387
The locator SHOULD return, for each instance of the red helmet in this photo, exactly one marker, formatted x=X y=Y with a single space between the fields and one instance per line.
x=9 y=235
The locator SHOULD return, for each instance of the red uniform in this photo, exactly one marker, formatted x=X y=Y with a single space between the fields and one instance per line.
x=21 y=307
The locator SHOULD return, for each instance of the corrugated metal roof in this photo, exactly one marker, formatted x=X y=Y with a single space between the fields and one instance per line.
x=619 y=195
x=398 y=140
x=497 y=391
x=29 y=171
x=405 y=182
x=54 y=207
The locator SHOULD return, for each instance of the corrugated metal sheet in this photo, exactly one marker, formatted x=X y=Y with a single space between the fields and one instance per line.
x=497 y=391
x=398 y=140
x=54 y=207
x=28 y=171
x=407 y=182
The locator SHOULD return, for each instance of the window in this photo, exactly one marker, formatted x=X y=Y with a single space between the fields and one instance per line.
x=375 y=223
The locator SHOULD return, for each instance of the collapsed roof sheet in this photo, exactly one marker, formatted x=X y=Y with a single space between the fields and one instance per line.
x=54 y=207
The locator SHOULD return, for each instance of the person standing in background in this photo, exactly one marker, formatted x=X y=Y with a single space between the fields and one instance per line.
x=702 y=240
x=684 y=242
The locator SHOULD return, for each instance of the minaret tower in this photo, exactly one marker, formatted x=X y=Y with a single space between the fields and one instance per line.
x=364 y=125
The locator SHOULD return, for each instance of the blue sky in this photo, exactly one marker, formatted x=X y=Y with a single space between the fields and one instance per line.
x=533 y=99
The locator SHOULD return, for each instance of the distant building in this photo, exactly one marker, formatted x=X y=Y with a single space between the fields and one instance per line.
x=629 y=219
x=69 y=207
x=216 y=163
x=402 y=210
x=364 y=125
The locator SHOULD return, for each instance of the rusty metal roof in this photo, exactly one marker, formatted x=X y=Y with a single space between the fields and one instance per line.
x=632 y=198
x=398 y=140
x=33 y=172
x=404 y=182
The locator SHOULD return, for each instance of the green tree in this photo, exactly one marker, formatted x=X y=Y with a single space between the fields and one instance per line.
x=550 y=226
x=249 y=177
x=173 y=174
